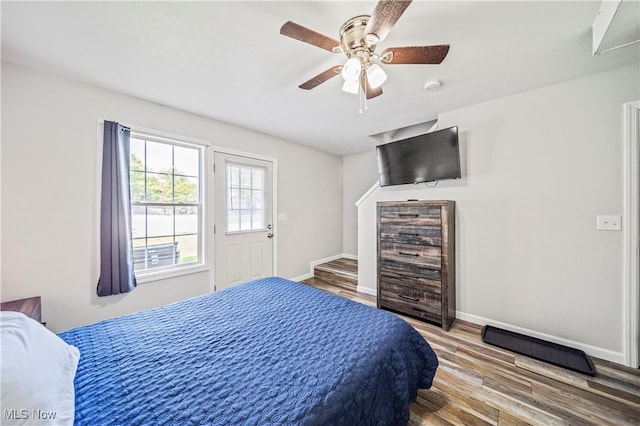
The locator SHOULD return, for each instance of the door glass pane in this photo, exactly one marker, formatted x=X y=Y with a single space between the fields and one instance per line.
x=245 y=220
x=234 y=176
x=256 y=200
x=245 y=197
x=233 y=220
x=258 y=181
x=233 y=199
x=258 y=220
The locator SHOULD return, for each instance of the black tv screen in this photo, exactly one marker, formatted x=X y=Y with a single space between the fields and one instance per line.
x=425 y=158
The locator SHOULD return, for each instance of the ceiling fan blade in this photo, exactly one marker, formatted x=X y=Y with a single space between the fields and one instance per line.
x=370 y=91
x=415 y=54
x=385 y=16
x=298 y=32
x=321 y=78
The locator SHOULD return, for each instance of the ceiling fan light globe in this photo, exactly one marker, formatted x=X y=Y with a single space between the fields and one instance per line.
x=351 y=86
x=351 y=69
x=376 y=75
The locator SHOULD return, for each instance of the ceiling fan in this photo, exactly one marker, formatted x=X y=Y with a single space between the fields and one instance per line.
x=359 y=37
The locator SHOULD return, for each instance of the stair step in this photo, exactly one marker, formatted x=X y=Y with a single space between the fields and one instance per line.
x=339 y=272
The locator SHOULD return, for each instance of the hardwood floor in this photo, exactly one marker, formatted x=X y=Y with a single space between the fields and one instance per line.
x=478 y=384
x=340 y=272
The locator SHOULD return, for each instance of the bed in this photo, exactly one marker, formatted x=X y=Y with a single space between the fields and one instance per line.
x=270 y=351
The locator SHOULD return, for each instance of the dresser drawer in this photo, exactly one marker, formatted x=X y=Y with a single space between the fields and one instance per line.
x=426 y=256
x=411 y=301
x=411 y=276
x=410 y=234
x=410 y=216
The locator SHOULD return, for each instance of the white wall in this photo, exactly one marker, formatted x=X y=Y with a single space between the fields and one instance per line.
x=358 y=177
x=537 y=169
x=50 y=185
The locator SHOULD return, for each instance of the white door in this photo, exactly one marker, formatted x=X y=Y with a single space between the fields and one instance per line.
x=243 y=219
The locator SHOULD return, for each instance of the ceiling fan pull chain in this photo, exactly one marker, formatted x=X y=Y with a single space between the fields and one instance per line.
x=363 y=93
x=360 y=94
x=364 y=99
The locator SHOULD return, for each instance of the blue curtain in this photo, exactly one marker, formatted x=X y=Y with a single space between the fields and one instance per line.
x=116 y=246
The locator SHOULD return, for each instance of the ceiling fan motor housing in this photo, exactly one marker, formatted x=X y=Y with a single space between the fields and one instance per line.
x=354 y=40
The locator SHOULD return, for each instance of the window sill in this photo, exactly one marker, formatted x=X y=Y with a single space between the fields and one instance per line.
x=172 y=273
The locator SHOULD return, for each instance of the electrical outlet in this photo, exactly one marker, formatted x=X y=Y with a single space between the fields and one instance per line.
x=609 y=223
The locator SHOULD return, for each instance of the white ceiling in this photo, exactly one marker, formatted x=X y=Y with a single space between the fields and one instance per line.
x=227 y=60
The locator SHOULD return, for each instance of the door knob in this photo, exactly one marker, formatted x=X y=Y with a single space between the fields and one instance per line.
x=269 y=235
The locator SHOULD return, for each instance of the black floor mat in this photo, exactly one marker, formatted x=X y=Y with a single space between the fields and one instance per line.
x=553 y=353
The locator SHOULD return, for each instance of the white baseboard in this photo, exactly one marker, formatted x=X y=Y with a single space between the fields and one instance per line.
x=349 y=256
x=301 y=277
x=314 y=263
x=606 y=354
x=359 y=289
x=367 y=290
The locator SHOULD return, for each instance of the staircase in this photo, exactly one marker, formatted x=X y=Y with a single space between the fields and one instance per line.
x=339 y=273
x=340 y=277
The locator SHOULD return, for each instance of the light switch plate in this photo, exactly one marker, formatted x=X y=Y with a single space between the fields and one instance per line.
x=609 y=223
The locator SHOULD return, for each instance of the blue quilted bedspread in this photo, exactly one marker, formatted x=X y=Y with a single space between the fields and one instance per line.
x=271 y=351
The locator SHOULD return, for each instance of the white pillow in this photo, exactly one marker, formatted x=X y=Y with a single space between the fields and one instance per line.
x=37 y=374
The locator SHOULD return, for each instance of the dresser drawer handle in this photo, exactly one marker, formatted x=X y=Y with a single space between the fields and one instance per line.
x=409 y=254
x=413 y=299
x=409 y=233
x=408 y=215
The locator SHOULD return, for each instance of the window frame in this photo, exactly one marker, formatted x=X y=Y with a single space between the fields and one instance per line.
x=203 y=264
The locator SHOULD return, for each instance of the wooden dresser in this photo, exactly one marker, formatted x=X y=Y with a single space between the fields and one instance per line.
x=416 y=259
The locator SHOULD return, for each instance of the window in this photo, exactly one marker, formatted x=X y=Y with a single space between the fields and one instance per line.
x=245 y=198
x=166 y=203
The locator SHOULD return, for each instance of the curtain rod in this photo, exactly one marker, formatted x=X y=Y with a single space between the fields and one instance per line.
x=160 y=134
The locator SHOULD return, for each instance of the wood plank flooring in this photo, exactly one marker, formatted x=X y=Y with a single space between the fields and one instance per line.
x=479 y=384
x=340 y=272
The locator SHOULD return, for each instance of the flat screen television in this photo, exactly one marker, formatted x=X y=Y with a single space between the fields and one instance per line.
x=425 y=158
